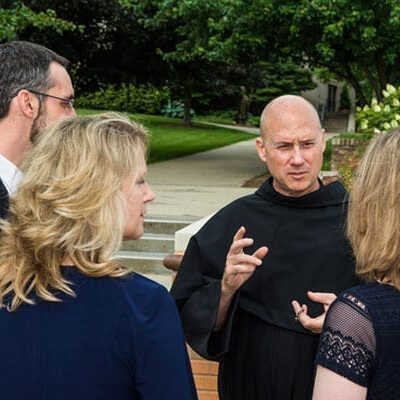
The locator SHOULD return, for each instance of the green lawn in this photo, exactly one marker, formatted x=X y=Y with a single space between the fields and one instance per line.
x=216 y=119
x=170 y=138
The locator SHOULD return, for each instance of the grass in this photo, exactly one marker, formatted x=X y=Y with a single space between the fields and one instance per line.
x=216 y=119
x=227 y=118
x=170 y=138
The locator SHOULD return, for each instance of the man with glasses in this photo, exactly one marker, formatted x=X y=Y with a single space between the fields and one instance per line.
x=35 y=91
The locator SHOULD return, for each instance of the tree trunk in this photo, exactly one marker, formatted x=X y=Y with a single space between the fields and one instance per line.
x=382 y=76
x=374 y=83
x=356 y=85
x=187 y=104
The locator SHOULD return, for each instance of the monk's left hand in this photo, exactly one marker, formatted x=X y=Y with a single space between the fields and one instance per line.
x=313 y=324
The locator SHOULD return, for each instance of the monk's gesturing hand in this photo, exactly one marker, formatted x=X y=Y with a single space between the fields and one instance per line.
x=316 y=324
x=240 y=266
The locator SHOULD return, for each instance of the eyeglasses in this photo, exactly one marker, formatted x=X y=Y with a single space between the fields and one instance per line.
x=69 y=102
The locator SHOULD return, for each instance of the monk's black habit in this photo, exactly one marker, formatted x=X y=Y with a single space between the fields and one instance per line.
x=264 y=352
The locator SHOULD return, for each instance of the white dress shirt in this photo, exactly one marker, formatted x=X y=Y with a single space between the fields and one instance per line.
x=9 y=174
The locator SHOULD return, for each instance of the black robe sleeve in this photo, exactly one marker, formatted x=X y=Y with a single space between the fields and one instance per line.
x=197 y=296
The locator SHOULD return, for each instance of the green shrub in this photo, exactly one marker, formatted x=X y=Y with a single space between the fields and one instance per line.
x=327 y=156
x=380 y=116
x=175 y=109
x=254 y=121
x=144 y=99
x=346 y=173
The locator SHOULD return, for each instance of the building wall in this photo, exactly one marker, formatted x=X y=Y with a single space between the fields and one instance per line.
x=319 y=95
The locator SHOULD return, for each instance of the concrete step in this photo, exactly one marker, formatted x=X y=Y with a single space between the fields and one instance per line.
x=152 y=242
x=146 y=255
x=165 y=224
x=144 y=262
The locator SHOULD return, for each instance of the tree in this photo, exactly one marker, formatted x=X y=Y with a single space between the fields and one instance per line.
x=15 y=16
x=279 y=78
x=210 y=40
x=358 y=41
x=112 y=47
x=183 y=31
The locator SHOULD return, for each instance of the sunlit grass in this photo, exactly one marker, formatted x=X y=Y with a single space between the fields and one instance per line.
x=170 y=138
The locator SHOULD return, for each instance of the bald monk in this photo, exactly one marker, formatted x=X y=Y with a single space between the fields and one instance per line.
x=242 y=271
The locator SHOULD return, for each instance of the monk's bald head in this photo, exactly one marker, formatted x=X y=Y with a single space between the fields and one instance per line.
x=292 y=145
x=288 y=110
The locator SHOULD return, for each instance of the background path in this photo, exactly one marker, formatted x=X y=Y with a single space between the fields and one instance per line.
x=200 y=184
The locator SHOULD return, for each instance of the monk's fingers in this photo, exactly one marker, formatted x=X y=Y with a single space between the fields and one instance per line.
x=241 y=269
x=243 y=258
x=261 y=252
x=239 y=244
x=239 y=233
x=298 y=309
x=312 y=324
x=322 y=297
x=235 y=275
x=301 y=315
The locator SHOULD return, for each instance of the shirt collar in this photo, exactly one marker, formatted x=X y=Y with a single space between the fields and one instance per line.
x=9 y=174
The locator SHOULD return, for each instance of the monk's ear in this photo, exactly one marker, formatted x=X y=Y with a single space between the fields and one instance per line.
x=28 y=103
x=323 y=139
x=260 y=146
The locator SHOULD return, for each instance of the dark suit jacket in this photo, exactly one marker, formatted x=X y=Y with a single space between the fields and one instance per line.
x=3 y=200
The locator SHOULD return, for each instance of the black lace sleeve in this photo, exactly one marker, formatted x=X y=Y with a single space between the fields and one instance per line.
x=347 y=343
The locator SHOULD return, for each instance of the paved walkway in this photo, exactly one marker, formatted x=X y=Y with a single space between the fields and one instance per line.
x=200 y=184
x=248 y=129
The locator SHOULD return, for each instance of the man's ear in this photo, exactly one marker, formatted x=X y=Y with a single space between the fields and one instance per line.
x=323 y=140
x=28 y=104
x=261 y=149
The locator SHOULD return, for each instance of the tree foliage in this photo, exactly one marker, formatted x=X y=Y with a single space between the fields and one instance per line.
x=358 y=41
x=211 y=48
x=15 y=16
x=112 y=48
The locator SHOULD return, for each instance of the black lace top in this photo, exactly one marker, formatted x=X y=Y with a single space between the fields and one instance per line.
x=361 y=339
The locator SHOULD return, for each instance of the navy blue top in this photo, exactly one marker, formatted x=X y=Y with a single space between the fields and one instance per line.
x=119 y=338
x=361 y=337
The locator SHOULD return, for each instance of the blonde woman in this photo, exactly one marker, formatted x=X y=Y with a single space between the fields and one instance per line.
x=74 y=324
x=359 y=352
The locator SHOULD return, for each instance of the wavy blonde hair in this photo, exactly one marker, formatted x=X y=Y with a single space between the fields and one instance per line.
x=70 y=203
x=374 y=211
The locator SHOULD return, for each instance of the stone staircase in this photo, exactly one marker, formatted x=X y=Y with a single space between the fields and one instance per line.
x=146 y=255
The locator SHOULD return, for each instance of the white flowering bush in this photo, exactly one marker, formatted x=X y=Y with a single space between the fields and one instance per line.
x=380 y=116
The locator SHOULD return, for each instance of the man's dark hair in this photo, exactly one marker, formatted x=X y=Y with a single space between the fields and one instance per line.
x=24 y=65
